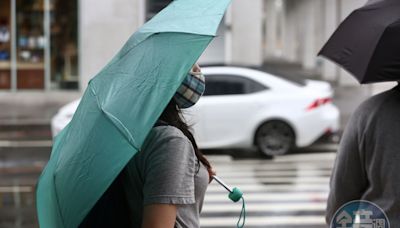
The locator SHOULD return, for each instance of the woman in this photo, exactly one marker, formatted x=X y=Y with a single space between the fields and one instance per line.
x=164 y=184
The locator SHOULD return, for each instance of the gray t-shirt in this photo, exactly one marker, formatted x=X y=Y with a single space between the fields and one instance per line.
x=166 y=170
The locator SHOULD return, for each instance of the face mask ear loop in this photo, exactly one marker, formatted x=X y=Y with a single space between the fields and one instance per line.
x=242 y=213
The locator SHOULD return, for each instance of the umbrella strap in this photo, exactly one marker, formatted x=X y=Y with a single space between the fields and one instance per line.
x=242 y=214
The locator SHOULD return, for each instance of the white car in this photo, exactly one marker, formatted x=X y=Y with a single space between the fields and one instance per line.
x=242 y=108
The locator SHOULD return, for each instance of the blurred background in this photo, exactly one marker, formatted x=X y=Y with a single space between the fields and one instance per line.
x=50 y=49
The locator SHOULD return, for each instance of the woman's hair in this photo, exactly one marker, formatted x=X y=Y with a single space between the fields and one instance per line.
x=173 y=116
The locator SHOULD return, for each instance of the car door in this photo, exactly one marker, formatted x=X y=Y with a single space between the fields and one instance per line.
x=227 y=105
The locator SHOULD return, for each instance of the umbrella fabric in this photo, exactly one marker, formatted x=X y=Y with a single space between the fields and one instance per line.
x=367 y=42
x=120 y=106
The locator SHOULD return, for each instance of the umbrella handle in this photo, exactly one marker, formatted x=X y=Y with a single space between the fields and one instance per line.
x=235 y=195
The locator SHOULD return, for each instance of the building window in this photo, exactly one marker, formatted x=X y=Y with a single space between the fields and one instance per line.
x=38 y=44
x=5 y=45
x=155 y=6
x=30 y=45
x=64 y=44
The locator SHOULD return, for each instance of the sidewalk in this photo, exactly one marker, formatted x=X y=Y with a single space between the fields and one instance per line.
x=32 y=107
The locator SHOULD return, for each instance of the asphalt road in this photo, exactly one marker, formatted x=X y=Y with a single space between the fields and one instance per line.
x=288 y=191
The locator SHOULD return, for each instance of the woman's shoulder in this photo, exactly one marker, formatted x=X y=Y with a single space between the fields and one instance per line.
x=167 y=132
x=166 y=136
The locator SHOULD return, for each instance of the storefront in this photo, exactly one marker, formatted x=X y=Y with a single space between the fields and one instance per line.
x=27 y=60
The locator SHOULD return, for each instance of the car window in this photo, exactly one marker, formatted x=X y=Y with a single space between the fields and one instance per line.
x=231 y=85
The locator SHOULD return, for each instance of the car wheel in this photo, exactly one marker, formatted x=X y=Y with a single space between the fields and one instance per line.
x=274 y=138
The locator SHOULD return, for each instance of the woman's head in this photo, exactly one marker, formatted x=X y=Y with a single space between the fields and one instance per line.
x=173 y=116
x=191 y=89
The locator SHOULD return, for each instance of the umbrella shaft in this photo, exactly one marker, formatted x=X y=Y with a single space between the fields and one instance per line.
x=222 y=183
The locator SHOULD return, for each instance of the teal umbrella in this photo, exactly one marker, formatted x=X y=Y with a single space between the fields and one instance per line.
x=120 y=106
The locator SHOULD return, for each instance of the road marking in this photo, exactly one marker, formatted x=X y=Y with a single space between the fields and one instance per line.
x=272 y=196
x=289 y=221
x=267 y=188
x=293 y=194
x=243 y=181
x=26 y=143
x=260 y=167
x=265 y=207
x=314 y=157
x=15 y=189
x=267 y=173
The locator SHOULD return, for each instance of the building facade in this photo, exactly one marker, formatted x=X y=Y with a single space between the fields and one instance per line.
x=238 y=41
x=54 y=45
x=295 y=31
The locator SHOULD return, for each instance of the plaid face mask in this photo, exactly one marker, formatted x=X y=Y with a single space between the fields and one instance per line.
x=190 y=91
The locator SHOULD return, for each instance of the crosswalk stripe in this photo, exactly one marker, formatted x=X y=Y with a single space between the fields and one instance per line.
x=290 y=221
x=243 y=181
x=265 y=207
x=26 y=143
x=271 y=196
x=288 y=191
x=275 y=173
x=291 y=166
x=306 y=157
x=282 y=159
x=266 y=188
x=15 y=189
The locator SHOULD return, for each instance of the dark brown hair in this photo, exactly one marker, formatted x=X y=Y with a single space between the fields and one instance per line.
x=173 y=116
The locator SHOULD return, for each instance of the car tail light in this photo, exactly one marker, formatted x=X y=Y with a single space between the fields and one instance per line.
x=319 y=102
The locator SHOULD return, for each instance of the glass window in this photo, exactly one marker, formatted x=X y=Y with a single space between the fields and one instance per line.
x=38 y=44
x=64 y=44
x=231 y=85
x=30 y=44
x=5 y=44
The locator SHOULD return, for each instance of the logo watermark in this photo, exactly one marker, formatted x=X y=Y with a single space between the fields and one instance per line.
x=360 y=214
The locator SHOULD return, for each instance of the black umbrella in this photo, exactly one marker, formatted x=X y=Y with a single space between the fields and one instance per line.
x=367 y=43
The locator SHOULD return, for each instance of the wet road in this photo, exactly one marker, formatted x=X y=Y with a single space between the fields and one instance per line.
x=288 y=191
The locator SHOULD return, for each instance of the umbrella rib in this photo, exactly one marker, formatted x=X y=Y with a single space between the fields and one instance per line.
x=114 y=120
x=147 y=35
x=121 y=127
x=58 y=204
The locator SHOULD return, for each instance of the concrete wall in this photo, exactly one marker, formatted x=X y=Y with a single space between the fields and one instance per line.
x=293 y=33
x=246 y=29
x=271 y=46
x=103 y=30
x=335 y=12
x=347 y=6
x=215 y=52
x=305 y=26
x=253 y=32
x=329 y=70
x=239 y=39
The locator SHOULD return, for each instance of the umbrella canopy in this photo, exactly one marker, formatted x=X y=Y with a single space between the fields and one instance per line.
x=367 y=42
x=120 y=106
